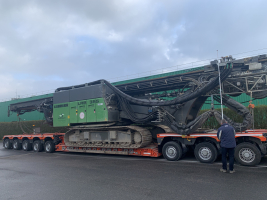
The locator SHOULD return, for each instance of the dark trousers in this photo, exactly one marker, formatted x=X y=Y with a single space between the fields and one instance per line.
x=231 y=152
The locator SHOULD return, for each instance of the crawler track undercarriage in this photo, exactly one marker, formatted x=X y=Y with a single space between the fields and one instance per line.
x=109 y=137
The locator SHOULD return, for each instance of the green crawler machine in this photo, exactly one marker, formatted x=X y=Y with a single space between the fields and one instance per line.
x=130 y=115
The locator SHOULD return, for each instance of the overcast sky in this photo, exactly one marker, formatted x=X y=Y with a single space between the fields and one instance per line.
x=47 y=44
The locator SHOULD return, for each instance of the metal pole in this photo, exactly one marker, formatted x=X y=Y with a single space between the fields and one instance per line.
x=220 y=84
x=212 y=102
x=252 y=110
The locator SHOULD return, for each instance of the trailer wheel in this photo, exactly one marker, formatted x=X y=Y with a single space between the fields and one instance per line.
x=37 y=146
x=49 y=147
x=16 y=144
x=247 y=154
x=206 y=152
x=7 y=144
x=172 y=151
x=26 y=146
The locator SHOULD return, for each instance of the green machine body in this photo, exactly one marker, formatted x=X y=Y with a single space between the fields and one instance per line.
x=84 y=105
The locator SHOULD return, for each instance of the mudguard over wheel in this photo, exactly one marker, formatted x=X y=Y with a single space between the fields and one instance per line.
x=49 y=147
x=206 y=152
x=172 y=151
x=7 y=144
x=37 y=146
x=26 y=145
x=16 y=144
x=247 y=154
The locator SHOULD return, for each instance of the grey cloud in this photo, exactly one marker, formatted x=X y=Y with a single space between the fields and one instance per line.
x=223 y=25
x=50 y=44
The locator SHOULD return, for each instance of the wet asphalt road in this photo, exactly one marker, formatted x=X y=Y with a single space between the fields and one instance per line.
x=29 y=175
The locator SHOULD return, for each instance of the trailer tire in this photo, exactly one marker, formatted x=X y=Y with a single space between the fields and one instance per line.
x=247 y=154
x=26 y=145
x=37 y=146
x=16 y=144
x=172 y=151
x=206 y=152
x=49 y=147
x=7 y=144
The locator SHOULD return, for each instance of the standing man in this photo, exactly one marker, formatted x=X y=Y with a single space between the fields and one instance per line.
x=226 y=134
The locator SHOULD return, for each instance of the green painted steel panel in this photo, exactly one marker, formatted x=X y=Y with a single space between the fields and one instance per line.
x=61 y=114
x=91 y=110
x=73 y=112
x=101 y=110
x=81 y=111
x=91 y=114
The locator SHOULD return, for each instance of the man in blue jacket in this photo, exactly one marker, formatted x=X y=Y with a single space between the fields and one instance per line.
x=226 y=134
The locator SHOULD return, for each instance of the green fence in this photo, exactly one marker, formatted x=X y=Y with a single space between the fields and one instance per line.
x=260 y=118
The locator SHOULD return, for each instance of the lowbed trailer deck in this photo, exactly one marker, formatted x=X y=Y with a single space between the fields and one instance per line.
x=150 y=151
x=28 y=142
x=251 y=146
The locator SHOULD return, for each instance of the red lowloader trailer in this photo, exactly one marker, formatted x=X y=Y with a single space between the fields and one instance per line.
x=251 y=146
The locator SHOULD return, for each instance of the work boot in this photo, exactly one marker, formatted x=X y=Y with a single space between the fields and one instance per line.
x=223 y=170
x=233 y=171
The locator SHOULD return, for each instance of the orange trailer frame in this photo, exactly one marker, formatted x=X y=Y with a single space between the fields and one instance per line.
x=257 y=137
